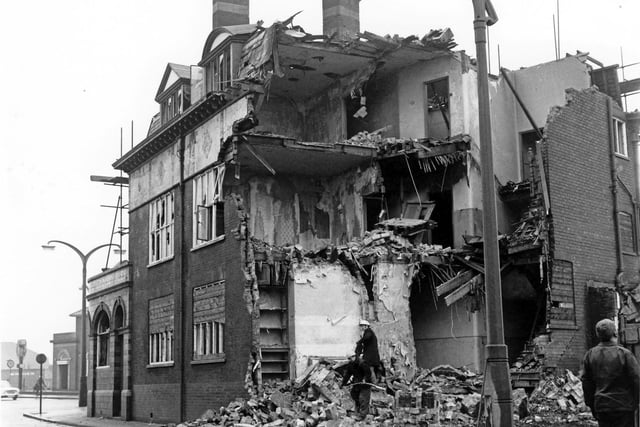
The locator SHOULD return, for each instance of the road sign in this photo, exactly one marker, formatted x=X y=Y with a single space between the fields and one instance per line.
x=10 y=363
x=21 y=348
x=41 y=358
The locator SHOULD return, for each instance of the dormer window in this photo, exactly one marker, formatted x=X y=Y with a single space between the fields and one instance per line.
x=218 y=70
x=221 y=56
x=174 y=93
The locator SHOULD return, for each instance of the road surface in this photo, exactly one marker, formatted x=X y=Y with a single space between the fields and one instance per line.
x=11 y=410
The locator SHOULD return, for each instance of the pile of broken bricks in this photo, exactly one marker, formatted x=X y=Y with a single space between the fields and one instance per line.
x=443 y=396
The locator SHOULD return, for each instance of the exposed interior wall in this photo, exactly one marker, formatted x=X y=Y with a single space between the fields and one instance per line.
x=281 y=116
x=543 y=86
x=446 y=335
x=392 y=324
x=308 y=211
x=327 y=308
x=411 y=95
x=504 y=134
x=520 y=302
x=382 y=108
x=324 y=117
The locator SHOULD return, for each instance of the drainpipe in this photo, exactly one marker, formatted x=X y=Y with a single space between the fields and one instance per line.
x=614 y=195
x=497 y=376
x=178 y=350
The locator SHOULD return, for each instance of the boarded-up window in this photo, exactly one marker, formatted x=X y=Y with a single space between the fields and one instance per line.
x=627 y=232
x=161 y=329
x=562 y=311
x=208 y=321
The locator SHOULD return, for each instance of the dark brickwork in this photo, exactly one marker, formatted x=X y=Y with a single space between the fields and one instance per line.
x=208 y=385
x=156 y=390
x=577 y=155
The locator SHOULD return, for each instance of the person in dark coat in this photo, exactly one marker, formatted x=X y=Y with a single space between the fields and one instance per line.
x=362 y=369
x=367 y=350
x=611 y=379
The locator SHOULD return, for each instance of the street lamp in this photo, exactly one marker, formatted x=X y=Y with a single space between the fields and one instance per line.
x=497 y=362
x=82 y=398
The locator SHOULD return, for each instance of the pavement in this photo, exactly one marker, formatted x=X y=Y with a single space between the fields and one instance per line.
x=78 y=417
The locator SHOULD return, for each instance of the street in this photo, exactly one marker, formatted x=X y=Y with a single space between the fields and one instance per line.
x=11 y=410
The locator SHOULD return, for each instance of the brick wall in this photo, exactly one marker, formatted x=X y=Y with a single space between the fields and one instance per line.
x=578 y=171
x=211 y=385
x=157 y=390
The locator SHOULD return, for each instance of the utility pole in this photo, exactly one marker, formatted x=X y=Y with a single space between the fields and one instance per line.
x=497 y=379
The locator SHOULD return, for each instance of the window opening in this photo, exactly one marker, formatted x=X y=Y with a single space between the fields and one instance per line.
x=208 y=206
x=620 y=137
x=437 y=113
x=208 y=321
x=161 y=217
x=102 y=332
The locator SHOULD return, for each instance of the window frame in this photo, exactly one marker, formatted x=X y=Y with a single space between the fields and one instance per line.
x=218 y=69
x=161 y=228
x=633 y=240
x=208 y=207
x=208 y=323
x=620 y=137
x=102 y=341
x=161 y=348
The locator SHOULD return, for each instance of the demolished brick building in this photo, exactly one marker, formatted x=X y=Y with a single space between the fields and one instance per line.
x=294 y=183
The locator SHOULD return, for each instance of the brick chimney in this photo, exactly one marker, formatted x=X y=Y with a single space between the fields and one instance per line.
x=341 y=17
x=230 y=12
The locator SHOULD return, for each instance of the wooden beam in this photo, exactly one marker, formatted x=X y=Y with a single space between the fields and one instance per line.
x=463 y=290
x=454 y=282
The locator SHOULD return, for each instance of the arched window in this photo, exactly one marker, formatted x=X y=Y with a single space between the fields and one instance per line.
x=118 y=317
x=102 y=336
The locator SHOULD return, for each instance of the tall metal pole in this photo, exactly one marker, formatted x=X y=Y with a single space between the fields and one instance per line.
x=82 y=397
x=497 y=363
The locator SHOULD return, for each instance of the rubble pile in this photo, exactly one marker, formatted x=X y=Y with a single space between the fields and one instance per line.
x=440 y=396
x=558 y=400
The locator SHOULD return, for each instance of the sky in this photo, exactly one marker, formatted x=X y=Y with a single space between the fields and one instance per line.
x=77 y=73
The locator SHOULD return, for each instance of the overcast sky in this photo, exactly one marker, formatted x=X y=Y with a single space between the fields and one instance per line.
x=75 y=72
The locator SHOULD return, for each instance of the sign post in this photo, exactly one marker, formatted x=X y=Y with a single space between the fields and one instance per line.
x=21 y=351
x=10 y=365
x=41 y=358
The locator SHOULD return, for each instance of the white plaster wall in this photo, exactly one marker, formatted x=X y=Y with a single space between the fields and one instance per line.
x=154 y=177
x=202 y=146
x=411 y=100
x=326 y=310
x=543 y=86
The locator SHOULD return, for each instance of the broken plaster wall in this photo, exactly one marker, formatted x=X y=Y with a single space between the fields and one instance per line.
x=392 y=323
x=310 y=212
x=326 y=310
x=281 y=116
x=329 y=302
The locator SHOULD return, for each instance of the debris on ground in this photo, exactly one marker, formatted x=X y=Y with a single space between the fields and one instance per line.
x=442 y=396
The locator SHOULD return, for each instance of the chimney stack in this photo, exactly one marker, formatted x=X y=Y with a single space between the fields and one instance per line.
x=230 y=12
x=341 y=17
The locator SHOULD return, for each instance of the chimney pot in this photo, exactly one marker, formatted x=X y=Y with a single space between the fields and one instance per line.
x=230 y=12
x=341 y=17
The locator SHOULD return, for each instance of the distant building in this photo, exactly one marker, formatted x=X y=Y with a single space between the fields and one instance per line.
x=31 y=368
x=66 y=357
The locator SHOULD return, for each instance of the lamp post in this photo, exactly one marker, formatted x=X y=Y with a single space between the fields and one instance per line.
x=82 y=397
x=497 y=363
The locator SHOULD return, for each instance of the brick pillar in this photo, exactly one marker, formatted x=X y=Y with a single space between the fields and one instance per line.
x=341 y=17
x=230 y=12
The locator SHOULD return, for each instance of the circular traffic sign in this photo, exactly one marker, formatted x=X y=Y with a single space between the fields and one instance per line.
x=10 y=363
x=41 y=358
